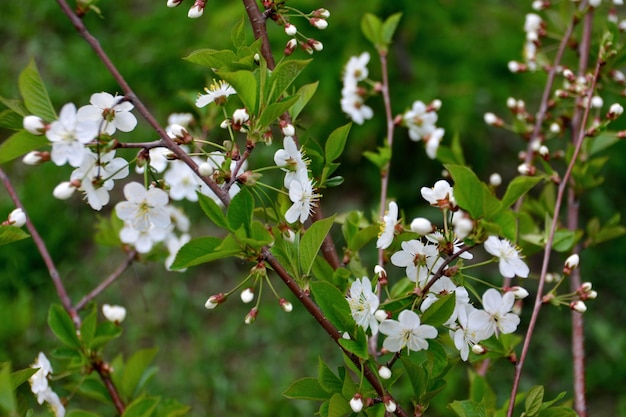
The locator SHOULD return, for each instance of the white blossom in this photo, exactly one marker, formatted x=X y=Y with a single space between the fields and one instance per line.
x=440 y=195
x=109 y=112
x=69 y=136
x=388 y=226
x=113 y=313
x=217 y=93
x=420 y=121
x=407 y=332
x=510 y=261
x=419 y=260
x=496 y=316
x=143 y=208
x=96 y=175
x=363 y=304
x=302 y=195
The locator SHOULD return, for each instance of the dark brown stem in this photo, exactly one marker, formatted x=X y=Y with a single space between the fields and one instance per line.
x=130 y=258
x=314 y=310
x=104 y=371
x=43 y=251
x=257 y=20
x=563 y=187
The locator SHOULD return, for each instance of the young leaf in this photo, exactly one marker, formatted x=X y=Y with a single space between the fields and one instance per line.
x=10 y=234
x=338 y=406
x=134 y=370
x=212 y=58
x=304 y=94
x=440 y=311
x=327 y=378
x=62 y=326
x=389 y=27
x=517 y=188
x=306 y=389
x=371 y=26
x=88 y=327
x=7 y=396
x=468 y=408
x=471 y=194
x=11 y=120
x=20 y=143
x=274 y=111
x=213 y=211
x=238 y=34
x=336 y=142
x=81 y=413
x=558 y=412
x=34 y=93
x=358 y=346
x=312 y=241
x=240 y=211
x=142 y=407
x=283 y=75
x=534 y=399
x=201 y=250
x=245 y=84
x=333 y=304
x=105 y=332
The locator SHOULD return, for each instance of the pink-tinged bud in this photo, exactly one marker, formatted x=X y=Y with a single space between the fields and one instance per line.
x=493 y=120
x=578 y=306
x=615 y=111
x=36 y=158
x=526 y=169
x=240 y=116
x=290 y=29
x=591 y=295
x=173 y=3
x=321 y=13
x=288 y=129
x=495 y=179
x=511 y=103
x=34 y=125
x=390 y=405
x=479 y=349
x=114 y=314
x=316 y=45
x=421 y=226
x=520 y=293
x=572 y=262
x=356 y=403
x=384 y=372
x=285 y=305
x=291 y=46
x=434 y=105
x=251 y=316
x=380 y=272
x=214 y=301
x=321 y=24
x=196 y=11
x=516 y=67
x=64 y=190
x=586 y=287
x=17 y=218
x=247 y=295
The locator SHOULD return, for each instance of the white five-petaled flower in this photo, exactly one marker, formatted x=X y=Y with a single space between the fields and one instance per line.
x=353 y=105
x=356 y=69
x=419 y=260
x=420 y=121
x=290 y=160
x=217 y=93
x=510 y=260
x=407 y=332
x=352 y=101
x=302 y=195
x=496 y=316
x=39 y=385
x=469 y=333
x=440 y=195
x=69 y=136
x=143 y=208
x=110 y=112
x=388 y=226
x=363 y=304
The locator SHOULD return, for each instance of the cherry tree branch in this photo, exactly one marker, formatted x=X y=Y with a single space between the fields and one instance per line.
x=563 y=187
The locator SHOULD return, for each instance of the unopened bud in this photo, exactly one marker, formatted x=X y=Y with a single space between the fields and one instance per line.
x=321 y=24
x=214 y=301
x=322 y=13
x=247 y=295
x=516 y=67
x=384 y=372
x=173 y=3
x=315 y=44
x=463 y=227
x=479 y=349
x=586 y=287
x=555 y=128
x=356 y=403
x=64 y=190
x=572 y=262
x=578 y=306
x=197 y=9
x=34 y=125
x=495 y=179
x=206 y=169
x=421 y=226
x=492 y=120
x=114 y=314
x=285 y=305
x=291 y=46
x=36 y=158
x=591 y=295
x=17 y=218
x=615 y=111
x=290 y=29
x=526 y=169
x=288 y=129
x=240 y=116
x=381 y=315
x=520 y=293
x=380 y=271
x=390 y=405
x=544 y=151
x=251 y=316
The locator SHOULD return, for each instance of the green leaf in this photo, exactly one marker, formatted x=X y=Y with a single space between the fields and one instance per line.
x=10 y=234
x=389 y=28
x=327 y=378
x=306 y=389
x=517 y=188
x=212 y=58
x=82 y=413
x=134 y=370
x=371 y=26
x=7 y=396
x=88 y=327
x=21 y=376
x=274 y=111
x=336 y=142
x=213 y=211
x=564 y=240
x=34 y=93
x=602 y=142
x=334 y=304
x=358 y=346
x=240 y=211
x=201 y=250
x=416 y=371
x=304 y=94
x=62 y=326
x=534 y=399
x=142 y=407
x=172 y=408
x=11 y=120
x=363 y=237
x=480 y=391
x=311 y=242
x=238 y=34
x=283 y=76
x=558 y=412
x=16 y=105
x=105 y=332
x=245 y=84
x=471 y=194
x=19 y=144
x=468 y=408
x=440 y=311
x=338 y=406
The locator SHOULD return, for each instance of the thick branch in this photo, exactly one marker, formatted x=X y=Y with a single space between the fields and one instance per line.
x=257 y=20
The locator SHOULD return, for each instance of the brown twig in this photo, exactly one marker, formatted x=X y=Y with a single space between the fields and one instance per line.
x=130 y=258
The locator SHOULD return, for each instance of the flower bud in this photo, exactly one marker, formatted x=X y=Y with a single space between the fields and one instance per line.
x=578 y=306
x=495 y=179
x=17 y=218
x=240 y=116
x=115 y=314
x=526 y=169
x=315 y=44
x=206 y=169
x=196 y=11
x=173 y=3
x=572 y=261
x=479 y=349
x=290 y=29
x=380 y=272
x=34 y=125
x=214 y=301
x=321 y=24
x=322 y=13
x=591 y=295
x=36 y=158
x=247 y=295
x=615 y=111
x=251 y=316
x=421 y=226
x=390 y=405
x=586 y=286
x=381 y=315
x=356 y=403
x=520 y=293
x=384 y=372
x=492 y=120
x=463 y=227
x=181 y=133
x=596 y=102
x=285 y=305
x=291 y=46
x=64 y=190
x=288 y=129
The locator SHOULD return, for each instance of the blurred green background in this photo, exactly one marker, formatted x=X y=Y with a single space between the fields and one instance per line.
x=445 y=49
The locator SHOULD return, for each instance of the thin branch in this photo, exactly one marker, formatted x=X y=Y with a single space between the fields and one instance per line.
x=43 y=251
x=257 y=20
x=563 y=186
x=130 y=258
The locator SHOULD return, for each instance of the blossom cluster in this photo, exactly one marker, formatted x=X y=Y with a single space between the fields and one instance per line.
x=40 y=387
x=352 y=95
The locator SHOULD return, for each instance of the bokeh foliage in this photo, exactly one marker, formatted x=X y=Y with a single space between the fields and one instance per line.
x=445 y=49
